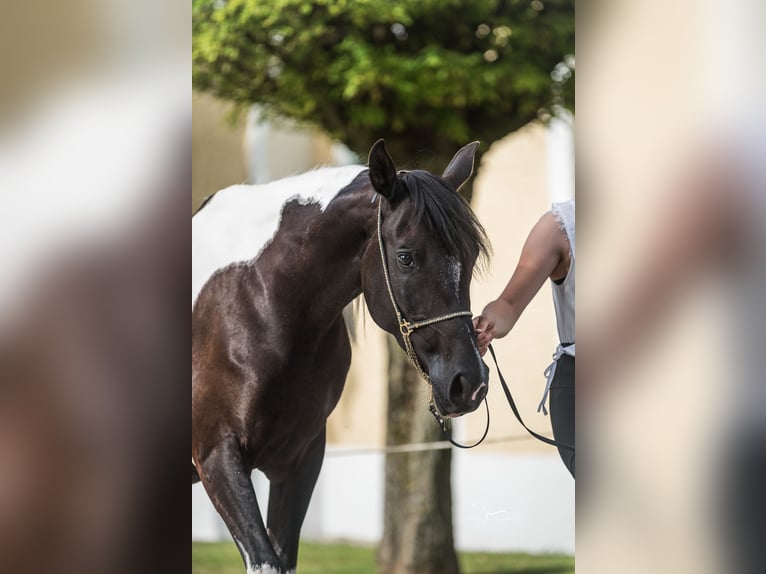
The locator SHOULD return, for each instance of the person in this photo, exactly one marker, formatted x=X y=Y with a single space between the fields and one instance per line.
x=548 y=253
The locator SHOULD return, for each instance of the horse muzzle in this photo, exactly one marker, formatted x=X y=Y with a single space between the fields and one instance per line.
x=463 y=394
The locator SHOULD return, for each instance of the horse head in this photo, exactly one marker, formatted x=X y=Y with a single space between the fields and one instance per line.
x=416 y=274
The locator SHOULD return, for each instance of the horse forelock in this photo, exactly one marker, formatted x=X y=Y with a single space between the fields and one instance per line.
x=448 y=216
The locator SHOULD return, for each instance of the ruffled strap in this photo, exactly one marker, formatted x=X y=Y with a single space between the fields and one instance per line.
x=550 y=372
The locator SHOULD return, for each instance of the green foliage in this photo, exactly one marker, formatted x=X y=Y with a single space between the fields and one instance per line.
x=433 y=73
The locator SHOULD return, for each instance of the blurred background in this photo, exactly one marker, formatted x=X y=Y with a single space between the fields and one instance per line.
x=95 y=127
x=670 y=154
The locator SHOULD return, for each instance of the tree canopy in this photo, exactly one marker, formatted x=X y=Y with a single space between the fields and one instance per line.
x=422 y=73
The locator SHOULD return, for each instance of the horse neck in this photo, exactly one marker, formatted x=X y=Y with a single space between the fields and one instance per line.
x=324 y=254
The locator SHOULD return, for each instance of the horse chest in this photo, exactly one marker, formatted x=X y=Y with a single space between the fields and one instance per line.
x=313 y=376
x=295 y=400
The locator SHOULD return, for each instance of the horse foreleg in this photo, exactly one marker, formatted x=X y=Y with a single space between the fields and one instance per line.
x=227 y=482
x=289 y=501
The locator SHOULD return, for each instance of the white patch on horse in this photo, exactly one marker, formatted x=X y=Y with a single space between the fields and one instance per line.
x=248 y=563
x=476 y=392
x=241 y=220
x=453 y=274
x=267 y=569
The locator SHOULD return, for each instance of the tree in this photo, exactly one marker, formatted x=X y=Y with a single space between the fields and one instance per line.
x=429 y=76
x=426 y=74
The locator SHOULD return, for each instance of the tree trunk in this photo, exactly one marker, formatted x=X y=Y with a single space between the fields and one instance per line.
x=417 y=523
x=417 y=530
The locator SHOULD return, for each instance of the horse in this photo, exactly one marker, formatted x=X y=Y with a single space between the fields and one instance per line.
x=270 y=348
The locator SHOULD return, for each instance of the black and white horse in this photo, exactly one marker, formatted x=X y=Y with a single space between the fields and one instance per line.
x=270 y=349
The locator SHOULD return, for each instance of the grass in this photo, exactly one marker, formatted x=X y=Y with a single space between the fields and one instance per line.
x=223 y=558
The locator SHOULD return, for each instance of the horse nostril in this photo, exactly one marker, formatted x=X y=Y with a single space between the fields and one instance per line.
x=459 y=389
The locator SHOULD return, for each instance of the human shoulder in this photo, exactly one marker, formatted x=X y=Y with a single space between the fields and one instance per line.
x=549 y=241
x=546 y=245
x=550 y=230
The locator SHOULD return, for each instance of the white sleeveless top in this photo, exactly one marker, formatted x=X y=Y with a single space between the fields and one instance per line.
x=563 y=297
x=564 y=294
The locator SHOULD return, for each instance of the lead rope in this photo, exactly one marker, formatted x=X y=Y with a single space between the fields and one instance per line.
x=406 y=328
x=516 y=412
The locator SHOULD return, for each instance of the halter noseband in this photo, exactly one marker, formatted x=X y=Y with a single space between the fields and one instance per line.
x=406 y=328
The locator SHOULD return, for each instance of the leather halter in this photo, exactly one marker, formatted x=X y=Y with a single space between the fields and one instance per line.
x=406 y=328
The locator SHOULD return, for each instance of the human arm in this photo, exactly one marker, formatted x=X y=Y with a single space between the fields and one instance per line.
x=545 y=254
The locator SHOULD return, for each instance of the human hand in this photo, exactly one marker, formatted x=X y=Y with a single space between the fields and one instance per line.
x=484 y=328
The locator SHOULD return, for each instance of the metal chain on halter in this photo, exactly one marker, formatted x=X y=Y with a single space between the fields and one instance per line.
x=406 y=328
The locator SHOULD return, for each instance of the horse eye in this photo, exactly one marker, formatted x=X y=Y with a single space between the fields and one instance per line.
x=404 y=259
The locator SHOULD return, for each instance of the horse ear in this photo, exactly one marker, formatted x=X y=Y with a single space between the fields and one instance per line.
x=382 y=170
x=460 y=167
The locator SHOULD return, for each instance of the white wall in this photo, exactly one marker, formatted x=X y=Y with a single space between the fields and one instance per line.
x=560 y=159
x=501 y=502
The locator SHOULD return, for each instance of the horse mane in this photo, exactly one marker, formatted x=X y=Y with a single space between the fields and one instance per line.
x=448 y=216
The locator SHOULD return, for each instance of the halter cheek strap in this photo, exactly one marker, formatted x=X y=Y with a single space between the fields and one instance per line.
x=406 y=328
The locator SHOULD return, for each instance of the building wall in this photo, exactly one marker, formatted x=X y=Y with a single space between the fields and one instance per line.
x=218 y=158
